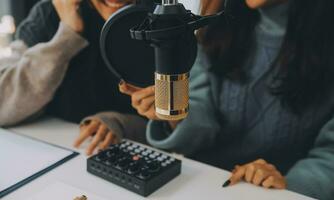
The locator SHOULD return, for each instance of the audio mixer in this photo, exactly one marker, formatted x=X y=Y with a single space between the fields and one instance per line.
x=135 y=167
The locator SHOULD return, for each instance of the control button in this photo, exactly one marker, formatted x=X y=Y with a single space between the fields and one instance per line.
x=164 y=156
x=172 y=159
x=130 y=148
x=164 y=164
x=149 y=151
x=141 y=148
x=128 y=143
x=160 y=159
x=144 y=153
x=135 y=158
x=137 y=151
x=135 y=146
x=168 y=162
x=156 y=154
x=152 y=156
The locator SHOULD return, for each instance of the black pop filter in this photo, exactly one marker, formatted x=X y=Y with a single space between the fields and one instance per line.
x=128 y=59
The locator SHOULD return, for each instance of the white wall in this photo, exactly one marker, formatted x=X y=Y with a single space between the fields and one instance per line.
x=193 y=5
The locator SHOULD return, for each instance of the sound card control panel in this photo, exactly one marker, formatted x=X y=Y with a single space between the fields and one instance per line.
x=134 y=167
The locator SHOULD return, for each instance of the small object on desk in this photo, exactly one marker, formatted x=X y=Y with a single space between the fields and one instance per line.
x=83 y=197
x=227 y=183
x=140 y=173
x=63 y=191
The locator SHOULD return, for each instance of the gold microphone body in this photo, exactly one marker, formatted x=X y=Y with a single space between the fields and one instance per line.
x=172 y=96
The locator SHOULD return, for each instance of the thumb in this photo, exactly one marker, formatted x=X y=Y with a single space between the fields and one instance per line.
x=128 y=89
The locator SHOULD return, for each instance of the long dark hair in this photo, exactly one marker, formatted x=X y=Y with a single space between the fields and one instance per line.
x=306 y=57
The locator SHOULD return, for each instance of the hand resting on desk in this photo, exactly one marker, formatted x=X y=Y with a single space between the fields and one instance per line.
x=259 y=173
x=102 y=136
x=110 y=127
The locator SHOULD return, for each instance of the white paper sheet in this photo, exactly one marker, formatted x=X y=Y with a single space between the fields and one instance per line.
x=22 y=157
x=61 y=191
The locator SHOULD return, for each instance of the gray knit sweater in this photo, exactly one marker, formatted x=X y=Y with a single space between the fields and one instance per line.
x=30 y=77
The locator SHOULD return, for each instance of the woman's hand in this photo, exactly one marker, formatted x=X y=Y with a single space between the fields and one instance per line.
x=68 y=13
x=142 y=99
x=259 y=173
x=102 y=136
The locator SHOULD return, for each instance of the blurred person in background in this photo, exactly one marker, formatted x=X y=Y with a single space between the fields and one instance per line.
x=56 y=69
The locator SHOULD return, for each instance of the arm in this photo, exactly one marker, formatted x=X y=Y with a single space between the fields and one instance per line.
x=110 y=127
x=314 y=175
x=29 y=79
x=121 y=125
x=199 y=129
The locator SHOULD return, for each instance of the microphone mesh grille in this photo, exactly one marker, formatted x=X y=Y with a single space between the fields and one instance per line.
x=161 y=94
x=181 y=94
x=172 y=97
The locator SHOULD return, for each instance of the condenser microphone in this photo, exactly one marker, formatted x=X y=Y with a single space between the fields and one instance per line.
x=170 y=30
x=167 y=27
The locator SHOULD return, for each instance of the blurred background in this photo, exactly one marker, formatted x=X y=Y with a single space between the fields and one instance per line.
x=12 y=12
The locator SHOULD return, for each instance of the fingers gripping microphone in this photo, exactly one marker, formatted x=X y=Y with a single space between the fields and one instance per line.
x=170 y=31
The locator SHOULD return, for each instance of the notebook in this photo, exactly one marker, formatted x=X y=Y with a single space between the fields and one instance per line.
x=23 y=159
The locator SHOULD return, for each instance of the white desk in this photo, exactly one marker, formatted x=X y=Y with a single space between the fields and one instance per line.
x=197 y=180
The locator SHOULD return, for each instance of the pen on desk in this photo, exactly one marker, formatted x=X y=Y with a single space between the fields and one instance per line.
x=227 y=183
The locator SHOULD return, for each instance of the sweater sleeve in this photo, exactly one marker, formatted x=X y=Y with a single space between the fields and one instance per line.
x=199 y=129
x=29 y=79
x=314 y=175
x=40 y=25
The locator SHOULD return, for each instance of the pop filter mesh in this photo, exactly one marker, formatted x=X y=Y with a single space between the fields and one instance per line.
x=130 y=60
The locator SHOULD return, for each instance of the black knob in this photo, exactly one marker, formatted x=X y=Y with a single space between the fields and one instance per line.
x=134 y=168
x=112 y=151
x=153 y=166
x=111 y=161
x=145 y=174
x=101 y=156
x=123 y=163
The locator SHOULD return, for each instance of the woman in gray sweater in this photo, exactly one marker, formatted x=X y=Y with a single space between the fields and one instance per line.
x=261 y=93
x=56 y=69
